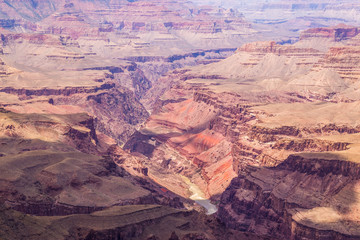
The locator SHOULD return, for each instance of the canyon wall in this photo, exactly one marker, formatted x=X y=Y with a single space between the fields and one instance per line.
x=242 y=120
x=301 y=198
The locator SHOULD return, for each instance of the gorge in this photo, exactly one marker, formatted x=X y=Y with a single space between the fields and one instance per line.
x=182 y=120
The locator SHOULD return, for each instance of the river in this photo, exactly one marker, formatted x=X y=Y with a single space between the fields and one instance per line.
x=198 y=197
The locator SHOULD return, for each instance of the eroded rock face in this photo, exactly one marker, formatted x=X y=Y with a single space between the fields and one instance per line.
x=342 y=32
x=208 y=123
x=239 y=117
x=174 y=23
x=95 y=91
x=302 y=198
x=110 y=91
x=56 y=164
x=216 y=124
x=122 y=222
x=34 y=10
x=51 y=167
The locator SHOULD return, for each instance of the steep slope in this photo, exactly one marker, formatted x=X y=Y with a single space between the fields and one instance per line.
x=54 y=165
x=133 y=26
x=31 y=10
x=256 y=108
x=75 y=42
x=305 y=197
x=121 y=222
x=288 y=18
x=98 y=63
x=39 y=73
x=51 y=166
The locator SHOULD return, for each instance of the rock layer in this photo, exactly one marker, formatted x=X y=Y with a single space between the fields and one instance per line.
x=246 y=115
x=284 y=201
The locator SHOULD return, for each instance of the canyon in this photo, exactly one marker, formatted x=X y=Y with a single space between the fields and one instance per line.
x=243 y=121
x=173 y=120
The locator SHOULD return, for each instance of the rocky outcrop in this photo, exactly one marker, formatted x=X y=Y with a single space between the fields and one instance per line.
x=344 y=60
x=273 y=47
x=301 y=145
x=141 y=143
x=54 y=166
x=119 y=104
x=272 y=201
x=338 y=33
x=269 y=135
x=120 y=222
x=17 y=9
x=67 y=91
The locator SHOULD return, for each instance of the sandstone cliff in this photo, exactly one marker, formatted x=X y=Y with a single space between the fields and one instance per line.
x=302 y=198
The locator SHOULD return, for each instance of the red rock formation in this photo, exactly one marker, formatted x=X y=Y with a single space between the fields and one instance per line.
x=338 y=33
x=216 y=128
x=205 y=124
